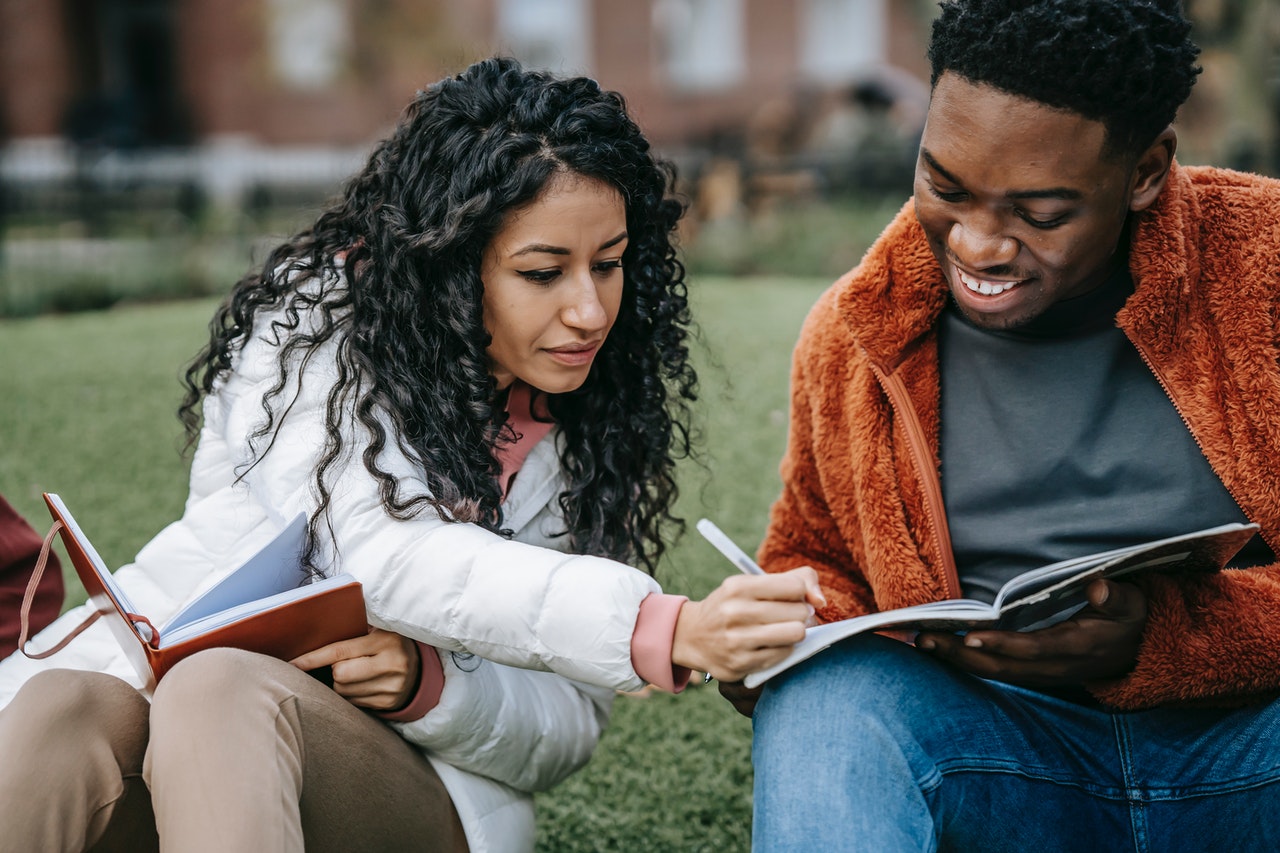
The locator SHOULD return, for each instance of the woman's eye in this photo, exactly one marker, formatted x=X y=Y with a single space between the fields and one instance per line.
x=539 y=276
x=605 y=267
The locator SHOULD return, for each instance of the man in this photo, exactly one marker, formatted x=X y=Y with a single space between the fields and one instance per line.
x=1066 y=343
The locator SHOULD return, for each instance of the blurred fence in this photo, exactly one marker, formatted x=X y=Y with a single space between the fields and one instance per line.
x=83 y=229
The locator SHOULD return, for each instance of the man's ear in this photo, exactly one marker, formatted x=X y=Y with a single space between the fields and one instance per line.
x=1152 y=170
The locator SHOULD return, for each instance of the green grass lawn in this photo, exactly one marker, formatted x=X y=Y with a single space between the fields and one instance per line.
x=87 y=410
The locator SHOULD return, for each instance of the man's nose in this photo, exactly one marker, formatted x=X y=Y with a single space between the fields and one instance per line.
x=979 y=242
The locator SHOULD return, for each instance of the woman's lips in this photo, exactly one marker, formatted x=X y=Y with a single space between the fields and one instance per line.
x=574 y=355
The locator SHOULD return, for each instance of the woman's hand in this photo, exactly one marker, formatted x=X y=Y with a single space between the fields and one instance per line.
x=1099 y=642
x=378 y=671
x=748 y=623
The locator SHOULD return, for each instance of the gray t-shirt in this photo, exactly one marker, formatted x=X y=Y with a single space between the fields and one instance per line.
x=1057 y=441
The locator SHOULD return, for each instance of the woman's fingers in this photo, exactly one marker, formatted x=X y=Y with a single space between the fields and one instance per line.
x=376 y=671
x=747 y=623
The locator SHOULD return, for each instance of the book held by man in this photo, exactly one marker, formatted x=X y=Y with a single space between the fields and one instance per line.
x=269 y=604
x=1036 y=598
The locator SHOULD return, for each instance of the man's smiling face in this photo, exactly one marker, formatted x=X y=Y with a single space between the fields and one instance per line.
x=1023 y=204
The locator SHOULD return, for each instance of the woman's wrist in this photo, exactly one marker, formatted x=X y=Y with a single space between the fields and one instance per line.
x=653 y=640
x=427 y=693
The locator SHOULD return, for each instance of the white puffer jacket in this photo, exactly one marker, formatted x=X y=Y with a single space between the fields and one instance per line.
x=533 y=641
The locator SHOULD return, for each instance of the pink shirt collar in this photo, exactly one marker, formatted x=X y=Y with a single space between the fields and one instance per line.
x=530 y=428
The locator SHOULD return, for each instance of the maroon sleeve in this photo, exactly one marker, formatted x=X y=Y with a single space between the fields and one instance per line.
x=19 y=548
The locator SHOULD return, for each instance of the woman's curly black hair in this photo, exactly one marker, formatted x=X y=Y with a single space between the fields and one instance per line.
x=406 y=320
x=1126 y=63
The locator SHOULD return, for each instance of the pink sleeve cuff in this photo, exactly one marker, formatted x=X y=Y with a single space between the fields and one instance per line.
x=652 y=640
x=430 y=686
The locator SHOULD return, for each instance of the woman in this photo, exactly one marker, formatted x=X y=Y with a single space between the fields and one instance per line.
x=471 y=374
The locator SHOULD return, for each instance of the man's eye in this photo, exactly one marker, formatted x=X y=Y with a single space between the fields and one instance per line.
x=1045 y=224
x=950 y=197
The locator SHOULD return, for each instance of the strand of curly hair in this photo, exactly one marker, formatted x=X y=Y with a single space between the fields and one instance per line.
x=392 y=272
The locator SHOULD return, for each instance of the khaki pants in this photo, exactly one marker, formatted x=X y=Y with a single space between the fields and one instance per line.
x=239 y=752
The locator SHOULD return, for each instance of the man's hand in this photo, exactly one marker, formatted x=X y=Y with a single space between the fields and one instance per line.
x=1099 y=642
x=747 y=623
x=378 y=671
x=742 y=698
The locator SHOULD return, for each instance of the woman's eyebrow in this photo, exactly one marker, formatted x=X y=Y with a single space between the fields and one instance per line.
x=547 y=249
x=540 y=249
x=615 y=241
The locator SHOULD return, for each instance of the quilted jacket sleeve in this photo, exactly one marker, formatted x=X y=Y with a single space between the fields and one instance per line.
x=490 y=714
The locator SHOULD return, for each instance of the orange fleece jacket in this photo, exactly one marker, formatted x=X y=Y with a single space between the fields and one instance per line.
x=1205 y=315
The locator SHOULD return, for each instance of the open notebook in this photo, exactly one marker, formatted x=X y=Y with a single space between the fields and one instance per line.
x=269 y=604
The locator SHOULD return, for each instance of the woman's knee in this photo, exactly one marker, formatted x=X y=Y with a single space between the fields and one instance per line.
x=207 y=683
x=70 y=693
x=222 y=690
x=218 y=666
x=59 y=716
x=62 y=700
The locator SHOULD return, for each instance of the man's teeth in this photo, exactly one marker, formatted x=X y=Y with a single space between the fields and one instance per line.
x=986 y=288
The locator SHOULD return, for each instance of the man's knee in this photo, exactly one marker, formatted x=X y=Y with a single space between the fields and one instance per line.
x=866 y=674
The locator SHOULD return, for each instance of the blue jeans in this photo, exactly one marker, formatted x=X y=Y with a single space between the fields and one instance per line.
x=874 y=746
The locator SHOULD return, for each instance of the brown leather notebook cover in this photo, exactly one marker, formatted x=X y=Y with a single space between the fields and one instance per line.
x=284 y=631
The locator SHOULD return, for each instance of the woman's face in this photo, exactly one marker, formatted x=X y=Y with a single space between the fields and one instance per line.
x=553 y=283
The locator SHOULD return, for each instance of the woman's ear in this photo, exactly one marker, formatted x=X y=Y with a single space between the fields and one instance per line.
x=1152 y=170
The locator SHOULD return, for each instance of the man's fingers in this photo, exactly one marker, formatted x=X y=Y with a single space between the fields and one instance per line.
x=1121 y=601
x=741 y=697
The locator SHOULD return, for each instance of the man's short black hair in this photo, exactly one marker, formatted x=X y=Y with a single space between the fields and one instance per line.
x=1126 y=63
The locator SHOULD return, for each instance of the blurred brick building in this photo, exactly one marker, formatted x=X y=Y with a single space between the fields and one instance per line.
x=230 y=93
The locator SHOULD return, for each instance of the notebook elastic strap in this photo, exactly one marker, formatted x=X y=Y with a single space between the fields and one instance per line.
x=24 y=615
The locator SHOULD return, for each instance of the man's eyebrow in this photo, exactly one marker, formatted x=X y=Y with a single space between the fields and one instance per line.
x=937 y=167
x=546 y=249
x=1063 y=193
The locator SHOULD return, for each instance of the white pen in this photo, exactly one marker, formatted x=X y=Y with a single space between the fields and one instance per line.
x=736 y=555
x=725 y=546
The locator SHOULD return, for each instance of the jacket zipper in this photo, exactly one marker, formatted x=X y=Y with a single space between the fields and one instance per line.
x=1177 y=407
x=926 y=471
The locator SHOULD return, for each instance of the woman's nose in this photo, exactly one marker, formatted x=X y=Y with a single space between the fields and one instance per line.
x=584 y=310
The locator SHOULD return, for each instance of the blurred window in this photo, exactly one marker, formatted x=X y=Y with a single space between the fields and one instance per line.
x=702 y=42
x=128 y=91
x=310 y=41
x=547 y=34
x=841 y=39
